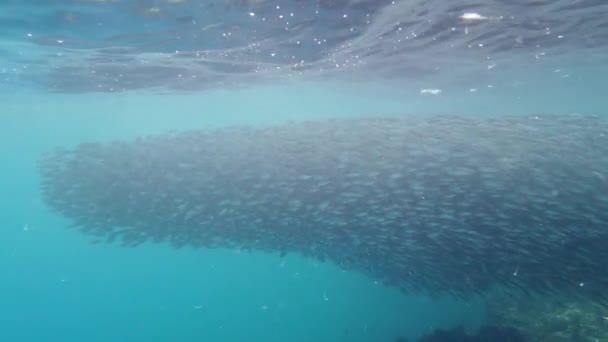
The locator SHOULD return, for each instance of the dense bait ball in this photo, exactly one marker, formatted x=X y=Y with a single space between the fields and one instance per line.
x=434 y=204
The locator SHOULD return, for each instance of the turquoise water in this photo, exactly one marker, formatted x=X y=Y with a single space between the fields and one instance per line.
x=56 y=285
x=60 y=287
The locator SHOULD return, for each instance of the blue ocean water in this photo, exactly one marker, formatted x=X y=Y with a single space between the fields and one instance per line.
x=56 y=285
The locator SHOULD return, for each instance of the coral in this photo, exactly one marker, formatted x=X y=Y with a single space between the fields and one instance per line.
x=548 y=319
x=485 y=334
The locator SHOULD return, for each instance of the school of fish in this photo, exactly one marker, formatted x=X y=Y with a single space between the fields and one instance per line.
x=436 y=204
